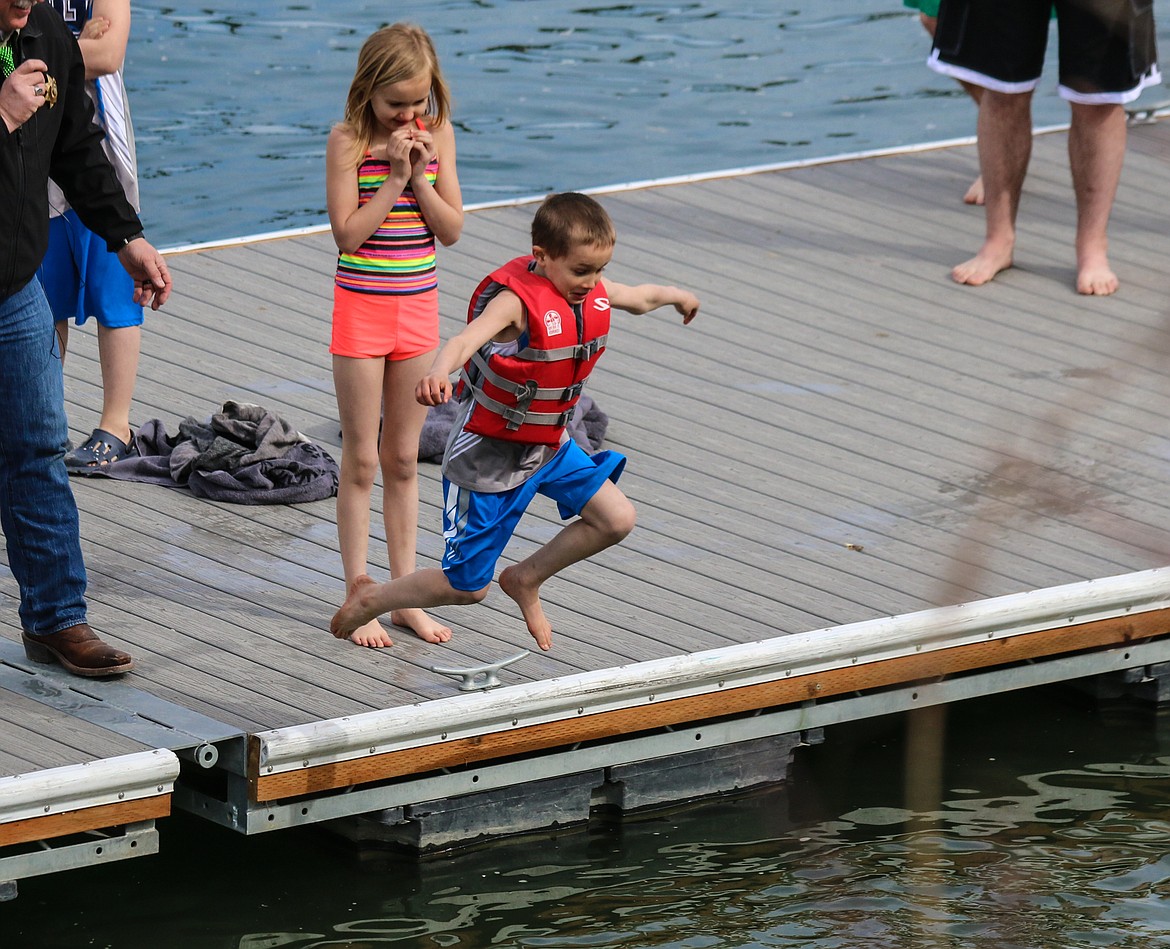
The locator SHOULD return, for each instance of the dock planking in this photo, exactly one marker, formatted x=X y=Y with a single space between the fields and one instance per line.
x=843 y=435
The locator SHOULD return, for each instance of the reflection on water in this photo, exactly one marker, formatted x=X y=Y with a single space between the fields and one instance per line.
x=1051 y=833
x=233 y=103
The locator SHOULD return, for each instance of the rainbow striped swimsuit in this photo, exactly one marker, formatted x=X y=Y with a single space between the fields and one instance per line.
x=399 y=257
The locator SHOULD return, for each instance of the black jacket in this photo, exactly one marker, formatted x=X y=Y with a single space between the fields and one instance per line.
x=62 y=142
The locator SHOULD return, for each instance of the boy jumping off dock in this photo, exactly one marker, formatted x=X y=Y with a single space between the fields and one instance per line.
x=536 y=328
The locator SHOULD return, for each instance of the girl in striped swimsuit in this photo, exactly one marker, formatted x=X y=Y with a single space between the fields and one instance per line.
x=391 y=189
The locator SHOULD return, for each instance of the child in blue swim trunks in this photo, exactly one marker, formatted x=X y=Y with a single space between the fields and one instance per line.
x=536 y=328
x=81 y=277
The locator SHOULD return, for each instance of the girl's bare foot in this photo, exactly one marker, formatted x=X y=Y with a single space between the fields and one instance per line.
x=372 y=634
x=527 y=597
x=974 y=194
x=424 y=627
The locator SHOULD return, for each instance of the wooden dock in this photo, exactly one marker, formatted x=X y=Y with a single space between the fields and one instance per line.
x=842 y=447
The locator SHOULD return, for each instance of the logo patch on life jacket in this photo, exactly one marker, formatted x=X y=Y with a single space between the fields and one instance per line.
x=552 y=323
x=601 y=304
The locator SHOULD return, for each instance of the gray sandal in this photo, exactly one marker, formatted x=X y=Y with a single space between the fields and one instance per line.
x=98 y=451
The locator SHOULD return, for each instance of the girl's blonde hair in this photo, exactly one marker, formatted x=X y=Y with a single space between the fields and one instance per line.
x=394 y=53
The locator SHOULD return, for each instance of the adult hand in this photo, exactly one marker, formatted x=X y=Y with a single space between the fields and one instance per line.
x=152 y=279
x=23 y=93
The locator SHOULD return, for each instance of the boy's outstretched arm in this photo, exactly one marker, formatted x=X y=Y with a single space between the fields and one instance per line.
x=502 y=319
x=650 y=296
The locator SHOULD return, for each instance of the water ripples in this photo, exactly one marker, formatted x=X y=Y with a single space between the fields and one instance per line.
x=233 y=106
x=1051 y=833
x=1077 y=858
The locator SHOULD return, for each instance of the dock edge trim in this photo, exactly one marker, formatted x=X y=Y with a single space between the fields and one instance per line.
x=118 y=780
x=468 y=715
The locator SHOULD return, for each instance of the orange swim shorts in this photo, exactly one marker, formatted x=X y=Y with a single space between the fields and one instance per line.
x=384 y=326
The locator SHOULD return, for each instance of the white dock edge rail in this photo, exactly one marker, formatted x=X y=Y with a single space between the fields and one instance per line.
x=132 y=777
x=467 y=715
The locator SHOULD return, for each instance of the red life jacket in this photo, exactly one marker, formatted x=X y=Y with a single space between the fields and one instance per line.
x=529 y=396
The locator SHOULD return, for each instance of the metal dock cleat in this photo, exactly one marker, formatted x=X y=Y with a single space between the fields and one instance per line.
x=480 y=677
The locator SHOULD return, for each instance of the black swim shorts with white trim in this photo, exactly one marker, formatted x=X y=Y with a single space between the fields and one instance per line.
x=1108 y=52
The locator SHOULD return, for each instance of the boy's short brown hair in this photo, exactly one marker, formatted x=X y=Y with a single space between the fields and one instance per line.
x=567 y=220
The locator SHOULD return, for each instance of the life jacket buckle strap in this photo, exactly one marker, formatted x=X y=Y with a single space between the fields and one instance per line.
x=514 y=418
x=587 y=351
x=524 y=395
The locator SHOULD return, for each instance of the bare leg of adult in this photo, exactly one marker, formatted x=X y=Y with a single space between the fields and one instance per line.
x=1005 y=148
x=118 y=350
x=402 y=422
x=1096 y=152
x=974 y=193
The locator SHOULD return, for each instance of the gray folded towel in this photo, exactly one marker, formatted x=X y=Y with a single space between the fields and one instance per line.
x=244 y=454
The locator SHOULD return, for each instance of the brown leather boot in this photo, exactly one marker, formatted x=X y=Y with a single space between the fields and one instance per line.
x=79 y=650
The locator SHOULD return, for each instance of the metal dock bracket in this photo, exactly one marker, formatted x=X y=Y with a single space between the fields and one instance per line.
x=480 y=677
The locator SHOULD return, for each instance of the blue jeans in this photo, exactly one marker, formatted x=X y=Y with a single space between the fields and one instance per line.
x=37 y=511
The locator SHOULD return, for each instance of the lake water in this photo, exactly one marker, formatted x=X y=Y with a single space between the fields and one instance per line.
x=1050 y=833
x=233 y=102
x=1051 y=827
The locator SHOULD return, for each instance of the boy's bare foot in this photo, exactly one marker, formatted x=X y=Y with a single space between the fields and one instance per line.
x=527 y=597
x=373 y=634
x=1096 y=278
x=981 y=268
x=353 y=615
x=424 y=627
x=974 y=194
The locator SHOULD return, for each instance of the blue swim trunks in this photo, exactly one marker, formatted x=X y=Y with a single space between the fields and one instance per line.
x=83 y=279
x=477 y=526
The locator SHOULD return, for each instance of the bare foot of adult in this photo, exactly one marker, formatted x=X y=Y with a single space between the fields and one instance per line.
x=353 y=615
x=527 y=597
x=983 y=266
x=974 y=194
x=1096 y=278
x=425 y=628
